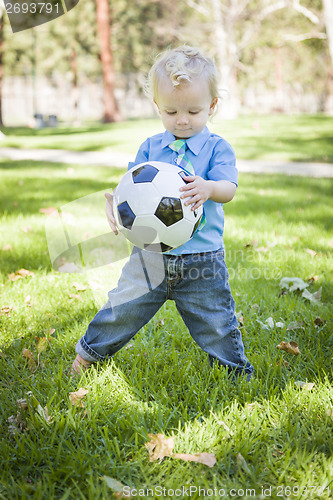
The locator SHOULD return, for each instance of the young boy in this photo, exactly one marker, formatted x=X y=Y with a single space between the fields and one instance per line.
x=183 y=85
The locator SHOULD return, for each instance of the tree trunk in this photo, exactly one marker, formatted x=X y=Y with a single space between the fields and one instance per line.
x=1 y=60
x=111 y=113
x=226 y=56
x=75 y=88
x=328 y=16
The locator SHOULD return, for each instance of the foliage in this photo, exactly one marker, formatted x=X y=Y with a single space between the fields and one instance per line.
x=301 y=61
x=271 y=433
x=142 y=29
x=52 y=44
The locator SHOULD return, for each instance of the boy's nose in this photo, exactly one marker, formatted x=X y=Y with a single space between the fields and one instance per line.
x=182 y=119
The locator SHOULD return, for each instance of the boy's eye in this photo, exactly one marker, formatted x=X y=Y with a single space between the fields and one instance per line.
x=170 y=112
x=193 y=112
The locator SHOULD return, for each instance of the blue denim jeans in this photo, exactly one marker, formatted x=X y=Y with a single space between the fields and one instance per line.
x=198 y=283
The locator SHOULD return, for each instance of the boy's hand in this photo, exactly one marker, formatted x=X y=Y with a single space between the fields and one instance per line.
x=109 y=212
x=197 y=189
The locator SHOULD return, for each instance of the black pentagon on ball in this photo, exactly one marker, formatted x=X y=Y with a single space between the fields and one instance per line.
x=169 y=210
x=196 y=225
x=145 y=173
x=157 y=247
x=126 y=215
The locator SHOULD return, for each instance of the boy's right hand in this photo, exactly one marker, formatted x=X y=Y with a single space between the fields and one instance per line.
x=109 y=212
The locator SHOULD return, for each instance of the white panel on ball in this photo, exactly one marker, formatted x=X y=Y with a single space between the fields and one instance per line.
x=148 y=208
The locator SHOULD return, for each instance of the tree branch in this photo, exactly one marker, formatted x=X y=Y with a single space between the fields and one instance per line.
x=270 y=9
x=281 y=4
x=305 y=36
x=199 y=8
x=306 y=12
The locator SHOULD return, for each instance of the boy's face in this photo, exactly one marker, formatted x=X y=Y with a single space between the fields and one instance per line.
x=186 y=108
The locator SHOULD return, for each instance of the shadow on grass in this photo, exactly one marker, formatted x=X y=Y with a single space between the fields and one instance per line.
x=56 y=131
x=278 y=429
x=41 y=185
x=266 y=197
x=163 y=382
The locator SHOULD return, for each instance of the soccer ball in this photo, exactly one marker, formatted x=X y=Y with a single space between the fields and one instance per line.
x=148 y=208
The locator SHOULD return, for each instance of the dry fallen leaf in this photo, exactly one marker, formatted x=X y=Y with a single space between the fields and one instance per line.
x=22 y=403
x=75 y=296
x=44 y=413
x=42 y=343
x=262 y=249
x=114 y=485
x=242 y=464
x=47 y=210
x=77 y=396
x=6 y=310
x=27 y=354
x=28 y=301
x=293 y=284
x=21 y=273
x=94 y=285
x=252 y=406
x=290 y=347
x=208 y=459
x=17 y=424
x=319 y=322
x=313 y=297
x=240 y=318
x=313 y=253
x=253 y=243
x=294 y=325
x=308 y=386
x=159 y=447
x=32 y=403
x=282 y=362
x=69 y=267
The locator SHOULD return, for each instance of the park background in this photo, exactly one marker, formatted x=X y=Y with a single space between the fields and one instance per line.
x=273 y=56
x=85 y=438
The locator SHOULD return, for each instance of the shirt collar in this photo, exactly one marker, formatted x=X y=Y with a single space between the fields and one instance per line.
x=195 y=143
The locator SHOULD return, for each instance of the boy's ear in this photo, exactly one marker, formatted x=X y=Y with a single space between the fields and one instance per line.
x=213 y=105
x=154 y=100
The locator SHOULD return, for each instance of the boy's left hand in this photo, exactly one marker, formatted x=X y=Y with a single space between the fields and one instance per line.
x=197 y=189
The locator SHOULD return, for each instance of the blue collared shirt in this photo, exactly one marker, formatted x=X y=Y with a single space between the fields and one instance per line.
x=213 y=159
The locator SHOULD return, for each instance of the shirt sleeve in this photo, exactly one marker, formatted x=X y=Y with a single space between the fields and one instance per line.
x=142 y=155
x=222 y=164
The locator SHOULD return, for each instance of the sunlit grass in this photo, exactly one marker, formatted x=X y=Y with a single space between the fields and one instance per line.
x=162 y=382
x=273 y=137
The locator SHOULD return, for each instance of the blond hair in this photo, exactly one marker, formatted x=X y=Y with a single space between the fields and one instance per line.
x=182 y=65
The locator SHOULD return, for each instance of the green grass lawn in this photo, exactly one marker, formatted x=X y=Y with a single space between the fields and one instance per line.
x=275 y=137
x=271 y=437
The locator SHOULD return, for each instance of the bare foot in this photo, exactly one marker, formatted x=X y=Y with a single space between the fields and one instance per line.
x=80 y=365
